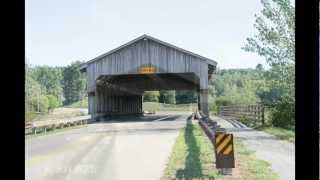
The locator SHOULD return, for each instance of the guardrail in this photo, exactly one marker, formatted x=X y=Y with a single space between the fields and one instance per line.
x=251 y=112
x=211 y=129
x=43 y=126
x=209 y=126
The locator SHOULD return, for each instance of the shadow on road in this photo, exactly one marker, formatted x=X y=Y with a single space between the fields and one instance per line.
x=136 y=118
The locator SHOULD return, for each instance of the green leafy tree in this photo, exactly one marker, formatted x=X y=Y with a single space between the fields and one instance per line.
x=151 y=96
x=53 y=102
x=275 y=41
x=186 y=96
x=35 y=93
x=74 y=83
x=44 y=103
x=168 y=97
x=50 y=78
x=259 y=67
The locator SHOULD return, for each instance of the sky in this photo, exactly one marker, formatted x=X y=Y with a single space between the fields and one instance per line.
x=62 y=31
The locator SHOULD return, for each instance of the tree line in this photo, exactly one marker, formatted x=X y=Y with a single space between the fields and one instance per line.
x=48 y=87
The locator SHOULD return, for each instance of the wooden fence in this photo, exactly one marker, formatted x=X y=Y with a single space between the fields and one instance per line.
x=42 y=126
x=251 y=112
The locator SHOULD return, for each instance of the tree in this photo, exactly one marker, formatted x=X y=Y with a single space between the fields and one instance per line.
x=50 y=78
x=168 y=97
x=186 y=96
x=53 y=102
x=151 y=96
x=74 y=83
x=276 y=42
x=34 y=93
x=275 y=39
x=259 y=67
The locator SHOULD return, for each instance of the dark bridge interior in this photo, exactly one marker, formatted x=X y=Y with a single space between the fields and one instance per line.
x=122 y=94
x=136 y=84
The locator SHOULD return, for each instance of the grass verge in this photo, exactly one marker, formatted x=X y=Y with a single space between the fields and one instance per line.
x=251 y=168
x=193 y=157
x=60 y=113
x=79 y=104
x=155 y=106
x=283 y=134
x=280 y=133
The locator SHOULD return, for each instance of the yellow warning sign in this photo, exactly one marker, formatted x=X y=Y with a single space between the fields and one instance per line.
x=224 y=142
x=147 y=70
x=224 y=150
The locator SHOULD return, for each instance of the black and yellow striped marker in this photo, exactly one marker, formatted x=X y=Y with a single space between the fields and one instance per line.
x=224 y=150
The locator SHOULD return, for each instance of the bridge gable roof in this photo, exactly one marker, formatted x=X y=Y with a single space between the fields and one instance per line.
x=147 y=37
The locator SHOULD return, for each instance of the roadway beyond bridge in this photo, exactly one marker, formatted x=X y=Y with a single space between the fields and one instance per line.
x=135 y=148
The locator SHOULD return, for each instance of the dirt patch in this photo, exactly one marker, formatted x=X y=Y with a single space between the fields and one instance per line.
x=236 y=172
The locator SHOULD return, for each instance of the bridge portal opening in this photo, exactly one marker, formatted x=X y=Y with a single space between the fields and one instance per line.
x=123 y=94
x=170 y=100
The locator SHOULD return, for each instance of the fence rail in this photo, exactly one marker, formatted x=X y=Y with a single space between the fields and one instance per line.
x=251 y=112
x=43 y=126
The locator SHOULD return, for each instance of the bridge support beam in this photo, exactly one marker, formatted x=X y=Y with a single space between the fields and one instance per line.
x=203 y=101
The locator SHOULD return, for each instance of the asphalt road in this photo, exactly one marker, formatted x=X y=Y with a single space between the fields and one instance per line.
x=126 y=148
x=279 y=153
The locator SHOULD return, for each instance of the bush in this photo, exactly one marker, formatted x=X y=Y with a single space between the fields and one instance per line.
x=223 y=102
x=243 y=119
x=167 y=97
x=213 y=108
x=53 y=102
x=283 y=113
x=44 y=103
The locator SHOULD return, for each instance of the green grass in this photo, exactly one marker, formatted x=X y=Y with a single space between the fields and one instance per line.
x=60 y=113
x=155 y=106
x=79 y=104
x=192 y=156
x=32 y=116
x=278 y=132
x=281 y=133
x=251 y=168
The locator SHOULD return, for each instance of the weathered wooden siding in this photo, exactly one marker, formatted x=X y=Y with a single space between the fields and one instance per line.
x=165 y=59
x=128 y=59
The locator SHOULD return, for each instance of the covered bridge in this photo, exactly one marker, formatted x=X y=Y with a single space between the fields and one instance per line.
x=118 y=78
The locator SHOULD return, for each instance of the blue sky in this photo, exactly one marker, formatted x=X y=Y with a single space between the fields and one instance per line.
x=61 y=31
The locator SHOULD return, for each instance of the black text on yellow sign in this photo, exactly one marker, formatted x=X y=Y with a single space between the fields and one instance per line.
x=147 y=70
x=224 y=150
